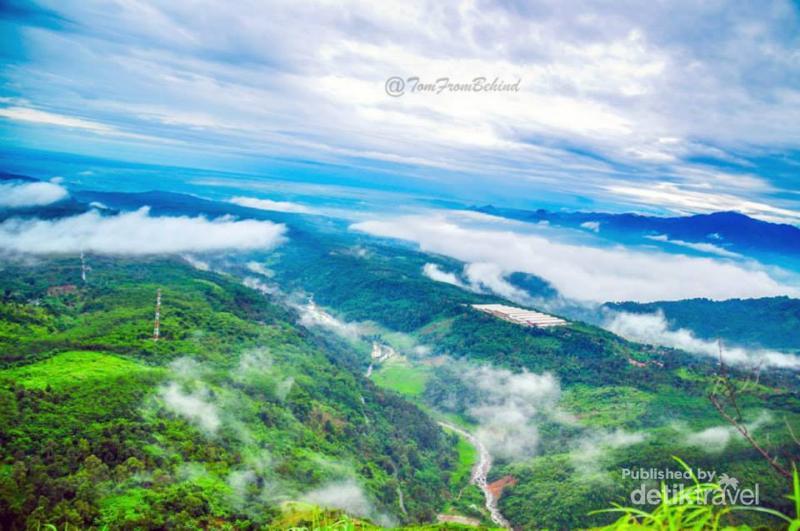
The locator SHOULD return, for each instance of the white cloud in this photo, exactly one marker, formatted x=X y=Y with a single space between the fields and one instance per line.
x=684 y=201
x=507 y=406
x=268 y=204
x=200 y=265
x=593 y=226
x=653 y=328
x=254 y=364
x=590 y=449
x=136 y=233
x=582 y=272
x=257 y=368
x=489 y=276
x=630 y=85
x=18 y=195
x=480 y=277
x=195 y=406
x=27 y=114
x=260 y=286
x=711 y=439
x=312 y=315
x=346 y=495
x=259 y=269
x=40 y=117
x=703 y=247
x=434 y=272
x=717 y=438
x=240 y=482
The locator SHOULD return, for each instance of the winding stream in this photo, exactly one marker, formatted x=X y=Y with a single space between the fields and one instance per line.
x=479 y=474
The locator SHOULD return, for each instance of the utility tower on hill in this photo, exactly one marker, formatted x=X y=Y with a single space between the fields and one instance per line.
x=157 y=324
x=84 y=268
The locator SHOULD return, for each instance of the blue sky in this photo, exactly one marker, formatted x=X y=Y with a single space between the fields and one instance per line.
x=674 y=107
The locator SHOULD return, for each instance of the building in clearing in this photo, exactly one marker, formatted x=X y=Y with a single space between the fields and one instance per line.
x=520 y=316
x=58 y=291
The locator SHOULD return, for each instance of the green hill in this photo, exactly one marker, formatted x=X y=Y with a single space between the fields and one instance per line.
x=233 y=412
x=770 y=322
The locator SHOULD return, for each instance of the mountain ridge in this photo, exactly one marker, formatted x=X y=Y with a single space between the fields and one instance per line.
x=728 y=229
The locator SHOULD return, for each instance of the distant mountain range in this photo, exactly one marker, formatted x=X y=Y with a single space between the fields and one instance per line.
x=730 y=231
x=727 y=232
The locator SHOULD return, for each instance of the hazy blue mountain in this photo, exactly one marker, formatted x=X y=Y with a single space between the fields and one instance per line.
x=732 y=231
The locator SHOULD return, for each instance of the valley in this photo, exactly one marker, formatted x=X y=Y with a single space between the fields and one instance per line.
x=333 y=372
x=358 y=265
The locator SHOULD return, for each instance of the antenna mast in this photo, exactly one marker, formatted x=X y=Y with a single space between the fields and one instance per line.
x=84 y=268
x=157 y=325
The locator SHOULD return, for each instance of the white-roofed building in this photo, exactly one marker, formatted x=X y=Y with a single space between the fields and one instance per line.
x=520 y=316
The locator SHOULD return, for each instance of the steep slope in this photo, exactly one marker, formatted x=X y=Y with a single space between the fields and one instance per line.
x=770 y=322
x=621 y=403
x=233 y=411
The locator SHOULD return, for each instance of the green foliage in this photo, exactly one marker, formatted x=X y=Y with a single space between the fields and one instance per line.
x=383 y=284
x=304 y=517
x=89 y=438
x=402 y=377
x=691 y=509
x=771 y=322
x=467 y=457
x=607 y=406
x=74 y=369
x=576 y=354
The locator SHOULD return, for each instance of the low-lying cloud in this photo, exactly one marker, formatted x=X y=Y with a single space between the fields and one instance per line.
x=487 y=276
x=20 y=195
x=260 y=286
x=479 y=278
x=507 y=406
x=654 y=329
x=194 y=406
x=581 y=272
x=268 y=204
x=259 y=269
x=136 y=233
x=590 y=450
x=345 y=495
x=435 y=273
x=197 y=263
x=702 y=247
x=717 y=438
x=312 y=315
x=593 y=226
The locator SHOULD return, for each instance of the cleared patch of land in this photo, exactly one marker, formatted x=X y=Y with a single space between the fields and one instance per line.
x=74 y=368
x=403 y=377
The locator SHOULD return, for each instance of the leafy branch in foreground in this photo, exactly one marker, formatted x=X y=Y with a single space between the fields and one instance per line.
x=690 y=509
x=725 y=399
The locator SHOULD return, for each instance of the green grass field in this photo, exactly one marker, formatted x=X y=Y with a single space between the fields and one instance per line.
x=400 y=376
x=467 y=455
x=74 y=368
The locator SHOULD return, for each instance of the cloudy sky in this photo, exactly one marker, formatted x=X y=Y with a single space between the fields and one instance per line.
x=654 y=106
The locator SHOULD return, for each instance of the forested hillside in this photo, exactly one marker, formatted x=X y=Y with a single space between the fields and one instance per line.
x=634 y=405
x=772 y=322
x=231 y=413
x=239 y=417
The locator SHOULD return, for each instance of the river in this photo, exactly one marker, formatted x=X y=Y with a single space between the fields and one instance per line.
x=479 y=474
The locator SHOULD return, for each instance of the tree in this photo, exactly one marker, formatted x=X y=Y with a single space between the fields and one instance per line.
x=725 y=397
